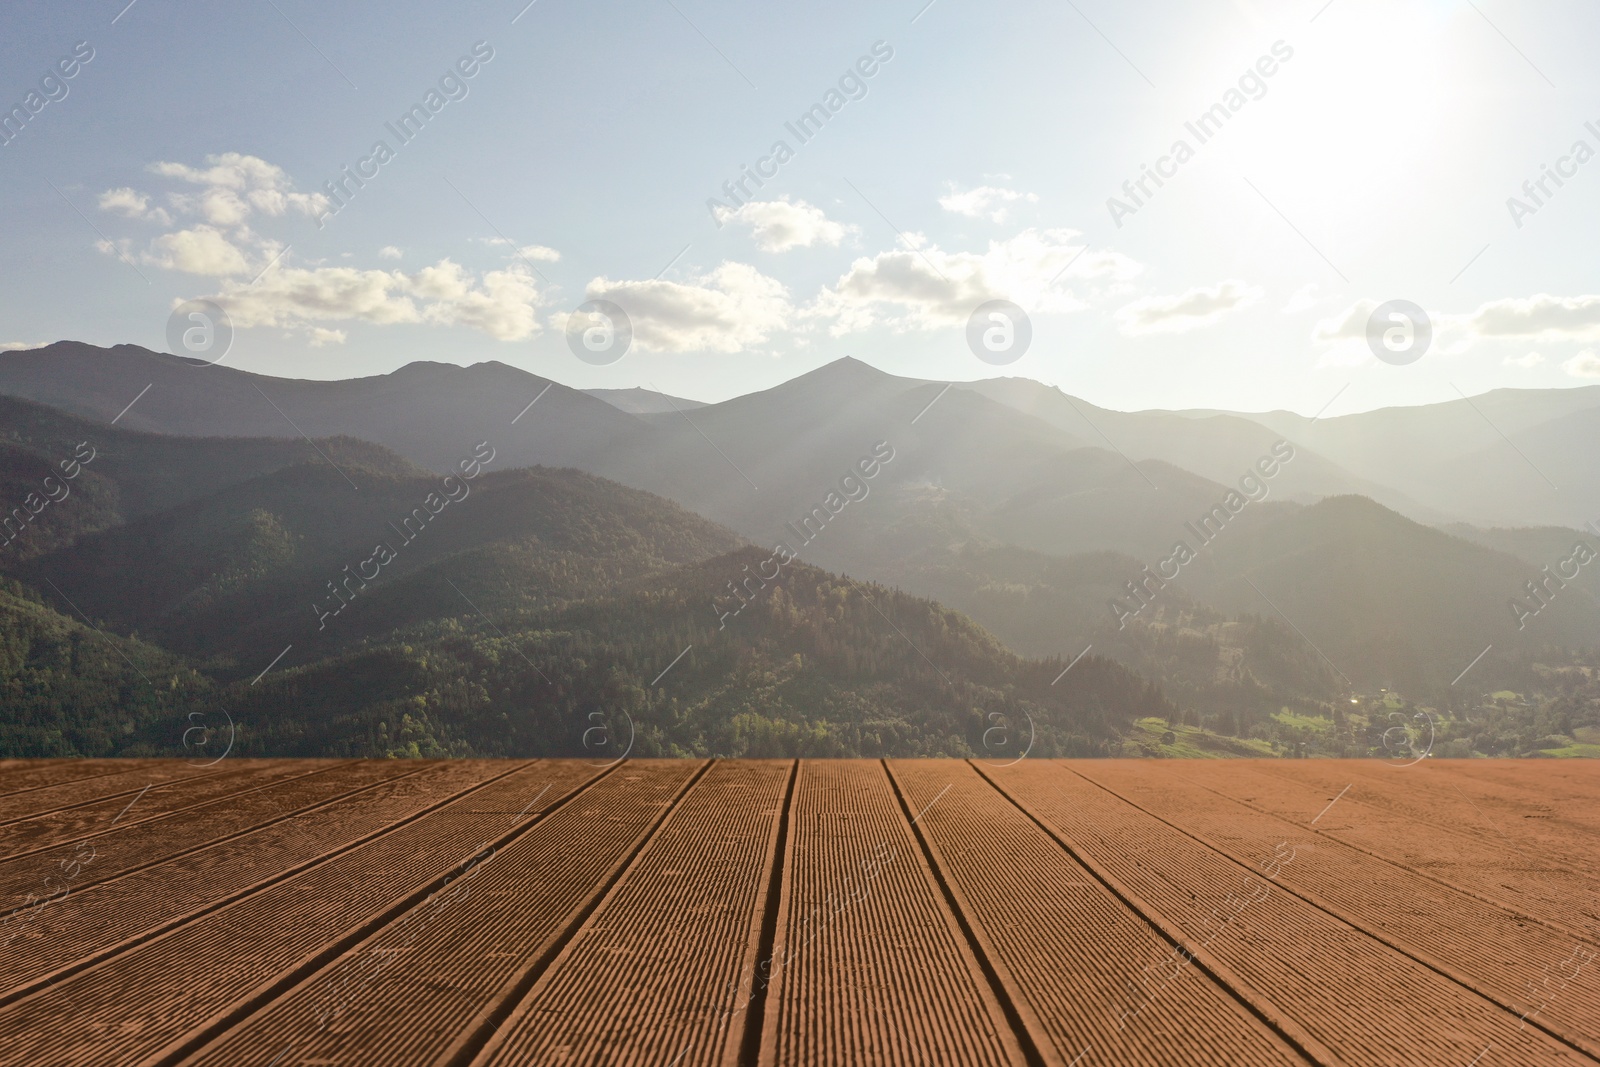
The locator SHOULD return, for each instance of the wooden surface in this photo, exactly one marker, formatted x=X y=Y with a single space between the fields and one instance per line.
x=287 y=912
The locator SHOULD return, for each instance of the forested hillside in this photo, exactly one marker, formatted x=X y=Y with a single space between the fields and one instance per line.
x=816 y=665
x=515 y=613
x=329 y=597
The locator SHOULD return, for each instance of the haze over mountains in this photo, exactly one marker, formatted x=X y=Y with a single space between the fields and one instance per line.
x=1320 y=555
x=502 y=613
x=638 y=401
x=1483 y=460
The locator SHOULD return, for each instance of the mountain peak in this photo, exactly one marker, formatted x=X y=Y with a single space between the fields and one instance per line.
x=639 y=401
x=850 y=369
x=852 y=365
x=421 y=367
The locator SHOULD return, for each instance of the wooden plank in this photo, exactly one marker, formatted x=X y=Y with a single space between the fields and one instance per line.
x=1067 y=945
x=665 y=962
x=1540 y=873
x=868 y=965
x=166 y=992
x=1505 y=959
x=1319 y=973
x=423 y=980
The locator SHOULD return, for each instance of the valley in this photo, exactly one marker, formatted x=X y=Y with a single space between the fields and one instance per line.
x=584 y=547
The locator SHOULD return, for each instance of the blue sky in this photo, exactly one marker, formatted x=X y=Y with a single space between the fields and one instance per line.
x=1373 y=164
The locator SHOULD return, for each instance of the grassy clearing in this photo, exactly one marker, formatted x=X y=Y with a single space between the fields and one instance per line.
x=1576 y=750
x=1188 y=742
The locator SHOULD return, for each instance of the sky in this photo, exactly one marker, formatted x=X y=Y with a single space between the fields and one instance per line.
x=1357 y=152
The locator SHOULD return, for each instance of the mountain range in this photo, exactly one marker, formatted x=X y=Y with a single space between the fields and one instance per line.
x=225 y=510
x=1507 y=458
x=526 y=611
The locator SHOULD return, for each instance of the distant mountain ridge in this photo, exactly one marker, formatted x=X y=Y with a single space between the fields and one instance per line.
x=1509 y=457
x=134 y=474
x=1505 y=458
x=431 y=413
x=638 y=401
x=1007 y=499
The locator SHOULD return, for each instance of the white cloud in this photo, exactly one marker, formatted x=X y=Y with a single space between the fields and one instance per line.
x=1543 y=316
x=130 y=203
x=234 y=189
x=122 y=247
x=1348 y=325
x=320 y=336
x=1343 y=336
x=234 y=185
x=228 y=193
x=1304 y=299
x=502 y=304
x=1199 y=307
x=538 y=252
x=1532 y=359
x=220 y=207
x=445 y=280
x=202 y=250
x=731 y=308
x=926 y=288
x=1583 y=365
x=124 y=201
x=296 y=296
x=985 y=202
x=21 y=346
x=779 y=225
